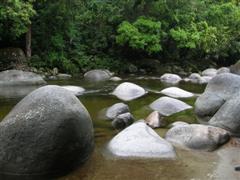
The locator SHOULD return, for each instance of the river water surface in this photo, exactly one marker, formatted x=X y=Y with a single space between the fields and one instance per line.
x=189 y=165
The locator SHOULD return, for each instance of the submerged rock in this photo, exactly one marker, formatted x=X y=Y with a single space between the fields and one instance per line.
x=197 y=137
x=122 y=121
x=128 y=91
x=170 y=78
x=176 y=92
x=48 y=132
x=97 y=75
x=167 y=106
x=155 y=120
x=17 y=77
x=76 y=90
x=140 y=141
x=116 y=109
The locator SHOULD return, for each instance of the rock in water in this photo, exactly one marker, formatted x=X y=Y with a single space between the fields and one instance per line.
x=17 y=77
x=128 y=91
x=176 y=92
x=116 y=109
x=209 y=72
x=140 y=141
x=221 y=88
x=46 y=133
x=76 y=90
x=170 y=78
x=197 y=137
x=155 y=120
x=223 y=70
x=227 y=116
x=122 y=121
x=167 y=106
x=178 y=123
x=97 y=75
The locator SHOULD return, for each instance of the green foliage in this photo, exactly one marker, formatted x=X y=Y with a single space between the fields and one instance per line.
x=79 y=35
x=144 y=34
x=15 y=18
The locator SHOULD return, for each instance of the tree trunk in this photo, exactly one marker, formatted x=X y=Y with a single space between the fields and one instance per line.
x=28 y=42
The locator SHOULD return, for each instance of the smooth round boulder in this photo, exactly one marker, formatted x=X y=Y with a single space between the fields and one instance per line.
x=116 y=109
x=167 y=106
x=220 y=89
x=140 y=141
x=115 y=78
x=223 y=70
x=197 y=137
x=155 y=120
x=209 y=72
x=122 y=121
x=46 y=133
x=18 y=77
x=176 y=92
x=194 y=78
x=198 y=79
x=97 y=75
x=76 y=90
x=227 y=116
x=170 y=78
x=128 y=91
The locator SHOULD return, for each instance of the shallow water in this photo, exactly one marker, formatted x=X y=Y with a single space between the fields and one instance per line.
x=190 y=165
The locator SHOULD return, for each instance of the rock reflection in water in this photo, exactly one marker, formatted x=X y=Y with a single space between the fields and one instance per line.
x=16 y=91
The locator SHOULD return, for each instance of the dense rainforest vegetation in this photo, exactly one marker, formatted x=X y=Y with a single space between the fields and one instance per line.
x=78 y=35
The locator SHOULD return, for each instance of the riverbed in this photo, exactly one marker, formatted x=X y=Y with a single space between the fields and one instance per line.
x=189 y=165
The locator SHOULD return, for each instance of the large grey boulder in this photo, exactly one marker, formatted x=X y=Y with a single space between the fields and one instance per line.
x=170 y=78
x=140 y=141
x=176 y=92
x=76 y=90
x=46 y=133
x=197 y=137
x=220 y=89
x=122 y=121
x=18 y=77
x=116 y=109
x=128 y=91
x=227 y=116
x=167 y=106
x=97 y=75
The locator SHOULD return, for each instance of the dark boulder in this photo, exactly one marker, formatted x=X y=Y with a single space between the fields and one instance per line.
x=47 y=133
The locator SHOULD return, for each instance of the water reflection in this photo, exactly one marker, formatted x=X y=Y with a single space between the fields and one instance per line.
x=16 y=91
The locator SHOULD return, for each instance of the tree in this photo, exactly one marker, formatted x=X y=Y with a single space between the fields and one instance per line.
x=15 y=20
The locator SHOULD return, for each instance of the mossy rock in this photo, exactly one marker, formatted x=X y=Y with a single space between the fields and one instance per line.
x=11 y=58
